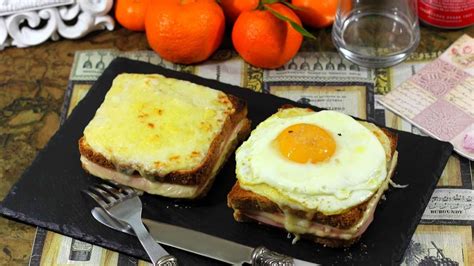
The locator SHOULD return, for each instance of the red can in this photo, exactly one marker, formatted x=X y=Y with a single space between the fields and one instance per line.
x=448 y=14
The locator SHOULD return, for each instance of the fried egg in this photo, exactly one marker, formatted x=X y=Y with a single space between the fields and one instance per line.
x=314 y=161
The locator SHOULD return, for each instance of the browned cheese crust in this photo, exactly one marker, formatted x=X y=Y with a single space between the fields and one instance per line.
x=244 y=201
x=199 y=175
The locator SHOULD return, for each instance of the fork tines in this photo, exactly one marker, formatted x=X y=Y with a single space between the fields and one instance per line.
x=107 y=195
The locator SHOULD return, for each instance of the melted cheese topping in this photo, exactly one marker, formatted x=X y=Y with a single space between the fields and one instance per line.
x=157 y=125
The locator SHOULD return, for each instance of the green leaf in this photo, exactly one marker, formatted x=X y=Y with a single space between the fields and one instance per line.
x=269 y=2
x=288 y=4
x=293 y=24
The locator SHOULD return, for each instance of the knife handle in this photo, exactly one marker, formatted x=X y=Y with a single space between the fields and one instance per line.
x=167 y=261
x=261 y=256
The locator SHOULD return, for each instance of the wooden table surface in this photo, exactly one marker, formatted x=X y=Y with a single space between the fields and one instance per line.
x=32 y=85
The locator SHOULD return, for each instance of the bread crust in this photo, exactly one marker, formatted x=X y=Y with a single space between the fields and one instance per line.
x=200 y=174
x=243 y=201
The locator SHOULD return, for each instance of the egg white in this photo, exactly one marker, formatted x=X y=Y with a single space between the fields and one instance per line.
x=350 y=176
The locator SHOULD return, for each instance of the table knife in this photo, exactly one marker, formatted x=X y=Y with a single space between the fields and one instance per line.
x=214 y=247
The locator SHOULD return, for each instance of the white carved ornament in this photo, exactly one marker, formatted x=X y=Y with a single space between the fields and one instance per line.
x=27 y=23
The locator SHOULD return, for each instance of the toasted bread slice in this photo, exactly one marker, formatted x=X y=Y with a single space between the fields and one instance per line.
x=338 y=230
x=170 y=139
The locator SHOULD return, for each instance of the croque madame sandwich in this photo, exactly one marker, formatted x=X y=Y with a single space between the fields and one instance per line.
x=163 y=136
x=319 y=175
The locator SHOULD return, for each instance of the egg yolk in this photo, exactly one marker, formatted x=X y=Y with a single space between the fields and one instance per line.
x=303 y=143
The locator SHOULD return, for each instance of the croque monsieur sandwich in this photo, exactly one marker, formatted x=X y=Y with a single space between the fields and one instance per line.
x=319 y=175
x=161 y=135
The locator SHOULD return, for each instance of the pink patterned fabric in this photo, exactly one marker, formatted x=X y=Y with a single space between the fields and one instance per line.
x=439 y=77
x=439 y=98
x=468 y=142
x=443 y=119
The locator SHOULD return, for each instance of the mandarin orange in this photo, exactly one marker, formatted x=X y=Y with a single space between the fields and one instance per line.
x=265 y=41
x=131 y=13
x=233 y=8
x=316 y=13
x=184 y=31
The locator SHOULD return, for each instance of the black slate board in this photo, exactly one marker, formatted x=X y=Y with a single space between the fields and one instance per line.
x=48 y=194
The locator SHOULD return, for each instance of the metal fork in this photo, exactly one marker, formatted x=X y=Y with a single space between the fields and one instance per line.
x=123 y=203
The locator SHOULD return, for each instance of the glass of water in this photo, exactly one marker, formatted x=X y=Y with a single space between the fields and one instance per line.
x=376 y=33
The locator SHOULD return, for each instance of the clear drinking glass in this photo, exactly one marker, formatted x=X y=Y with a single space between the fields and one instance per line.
x=376 y=33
